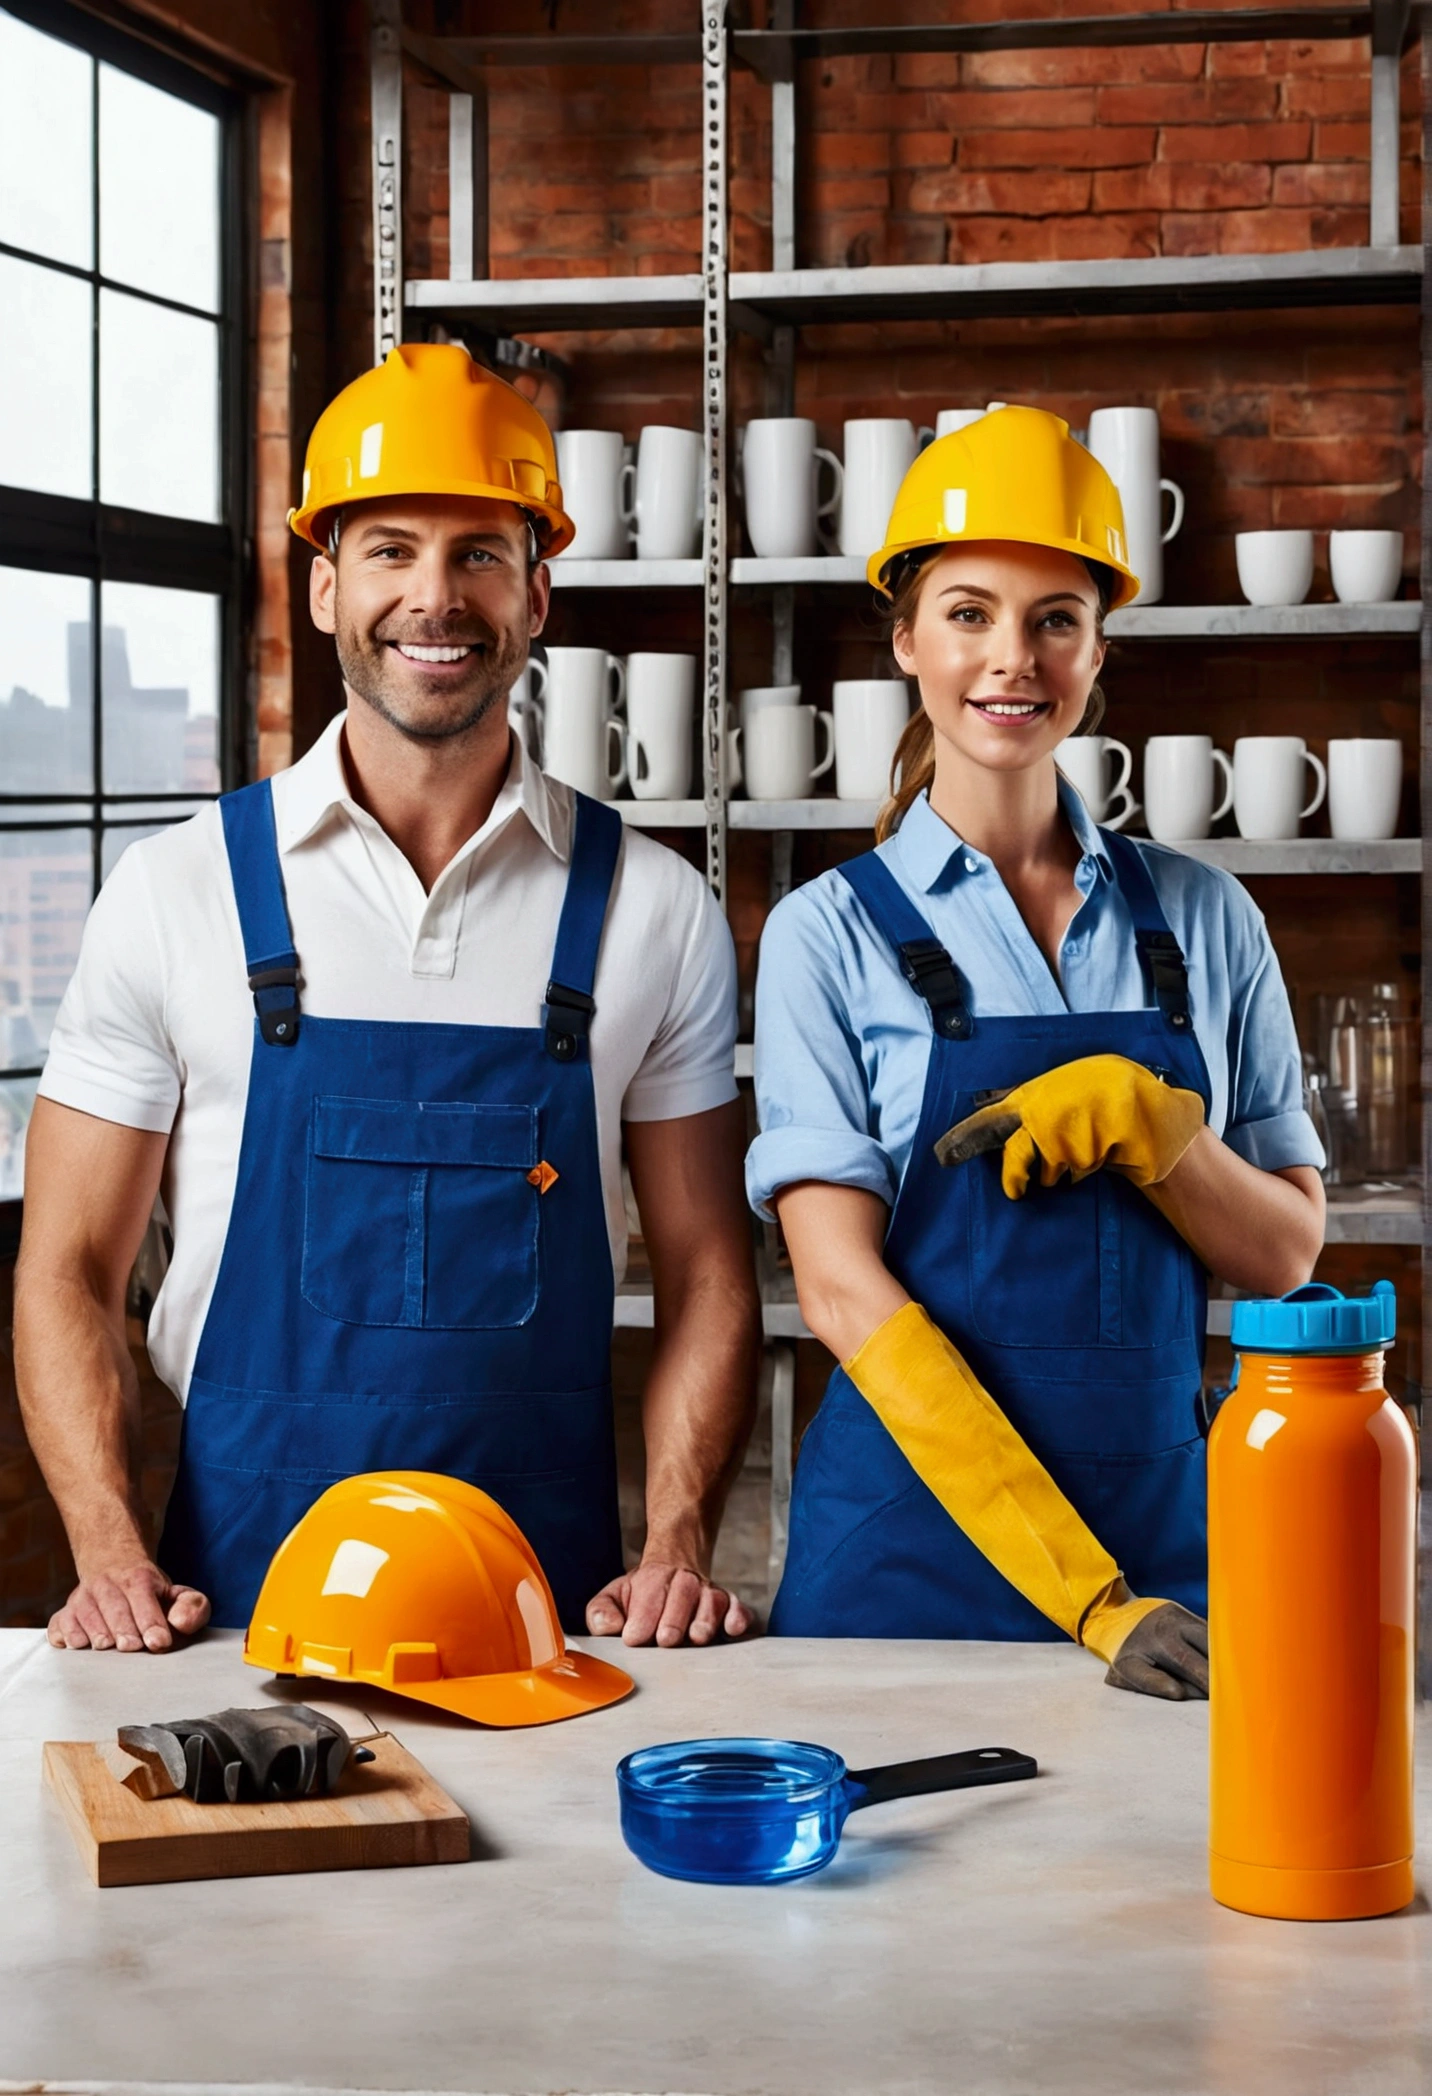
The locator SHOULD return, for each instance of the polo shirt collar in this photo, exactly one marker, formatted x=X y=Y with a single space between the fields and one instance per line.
x=932 y=854
x=316 y=789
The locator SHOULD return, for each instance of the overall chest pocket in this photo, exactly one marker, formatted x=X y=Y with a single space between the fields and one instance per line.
x=421 y=1214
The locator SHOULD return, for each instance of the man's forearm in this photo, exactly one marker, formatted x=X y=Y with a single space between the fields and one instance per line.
x=1259 y=1231
x=698 y=1410
x=79 y=1397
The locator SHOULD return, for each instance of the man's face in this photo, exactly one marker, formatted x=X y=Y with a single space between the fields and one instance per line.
x=432 y=604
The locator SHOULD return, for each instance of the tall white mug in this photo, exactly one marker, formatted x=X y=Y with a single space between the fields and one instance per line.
x=879 y=452
x=582 y=739
x=779 y=752
x=1126 y=443
x=1087 y=762
x=780 y=471
x=1364 y=786
x=870 y=717
x=758 y=695
x=589 y=466
x=1179 y=772
x=667 y=505
x=661 y=710
x=1268 y=784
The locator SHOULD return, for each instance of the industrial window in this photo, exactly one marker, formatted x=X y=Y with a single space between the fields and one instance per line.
x=120 y=486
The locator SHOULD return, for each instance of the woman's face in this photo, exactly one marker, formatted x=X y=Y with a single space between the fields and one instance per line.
x=1005 y=645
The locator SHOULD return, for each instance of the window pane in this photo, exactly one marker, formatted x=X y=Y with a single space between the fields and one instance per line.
x=159 y=678
x=46 y=178
x=158 y=409
x=17 y=1100
x=158 y=191
x=45 y=389
x=45 y=879
x=46 y=737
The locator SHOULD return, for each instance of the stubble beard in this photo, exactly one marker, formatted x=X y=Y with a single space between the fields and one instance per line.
x=365 y=661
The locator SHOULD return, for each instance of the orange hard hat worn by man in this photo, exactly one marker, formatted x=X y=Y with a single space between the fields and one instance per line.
x=403 y=1007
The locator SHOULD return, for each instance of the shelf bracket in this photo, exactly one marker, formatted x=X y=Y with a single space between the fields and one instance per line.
x=713 y=535
x=1389 y=26
x=386 y=102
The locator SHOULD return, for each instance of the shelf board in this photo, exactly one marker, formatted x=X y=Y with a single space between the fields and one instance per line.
x=1261 y=621
x=813 y=567
x=1374 y=1218
x=1246 y=855
x=662 y=815
x=817 y=813
x=561 y=302
x=1134 y=284
x=568 y=573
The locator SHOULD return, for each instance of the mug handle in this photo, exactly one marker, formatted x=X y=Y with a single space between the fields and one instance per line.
x=735 y=770
x=924 y=435
x=1121 y=784
x=637 y=766
x=1219 y=758
x=537 y=671
x=616 y=670
x=626 y=497
x=826 y=721
x=827 y=512
x=1320 y=791
x=1116 y=818
x=616 y=743
x=1171 y=487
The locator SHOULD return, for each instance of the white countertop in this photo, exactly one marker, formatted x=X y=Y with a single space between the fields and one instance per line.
x=1055 y=1936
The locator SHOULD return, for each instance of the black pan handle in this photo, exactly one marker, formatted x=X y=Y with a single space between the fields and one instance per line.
x=912 y=1779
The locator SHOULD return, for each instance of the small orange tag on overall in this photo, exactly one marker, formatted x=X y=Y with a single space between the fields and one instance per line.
x=542 y=1176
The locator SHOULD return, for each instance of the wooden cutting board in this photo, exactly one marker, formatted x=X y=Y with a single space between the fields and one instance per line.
x=387 y=1811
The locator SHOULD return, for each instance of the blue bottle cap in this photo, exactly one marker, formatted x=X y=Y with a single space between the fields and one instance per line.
x=1317 y=1320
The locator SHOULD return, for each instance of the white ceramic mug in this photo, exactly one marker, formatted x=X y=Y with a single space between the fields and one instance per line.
x=778 y=747
x=950 y=419
x=758 y=695
x=1366 y=566
x=879 y=452
x=1126 y=443
x=1364 y=787
x=590 y=468
x=1179 y=771
x=1268 y=784
x=1086 y=762
x=666 y=507
x=661 y=708
x=1274 y=567
x=870 y=717
x=780 y=473
x=582 y=740
x=524 y=706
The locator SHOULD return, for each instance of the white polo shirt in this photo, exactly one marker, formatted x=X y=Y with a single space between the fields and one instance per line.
x=156 y=1028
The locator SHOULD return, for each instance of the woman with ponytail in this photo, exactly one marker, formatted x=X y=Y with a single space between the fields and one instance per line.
x=1022 y=1084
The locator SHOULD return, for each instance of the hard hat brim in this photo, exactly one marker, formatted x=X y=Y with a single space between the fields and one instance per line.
x=877 y=567
x=564 y=1688
x=311 y=523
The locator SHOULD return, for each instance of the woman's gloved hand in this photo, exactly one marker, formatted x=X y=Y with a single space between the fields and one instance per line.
x=1103 y=1111
x=1153 y=1647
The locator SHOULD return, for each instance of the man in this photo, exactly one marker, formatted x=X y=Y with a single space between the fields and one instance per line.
x=375 y=1031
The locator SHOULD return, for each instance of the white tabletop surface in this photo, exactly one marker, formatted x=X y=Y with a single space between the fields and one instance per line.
x=1047 y=1936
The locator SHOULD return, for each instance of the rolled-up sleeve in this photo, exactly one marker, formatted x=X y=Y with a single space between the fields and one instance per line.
x=1268 y=1124
x=812 y=1096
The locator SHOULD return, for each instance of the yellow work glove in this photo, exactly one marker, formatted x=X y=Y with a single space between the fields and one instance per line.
x=958 y=1441
x=1100 y=1112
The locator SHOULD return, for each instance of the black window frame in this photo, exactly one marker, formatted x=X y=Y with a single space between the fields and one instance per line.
x=102 y=542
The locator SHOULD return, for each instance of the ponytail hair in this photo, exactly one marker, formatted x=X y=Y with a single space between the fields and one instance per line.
x=912 y=769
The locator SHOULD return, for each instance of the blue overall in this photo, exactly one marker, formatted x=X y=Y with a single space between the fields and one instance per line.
x=1080 y=1309
x=395 y=1290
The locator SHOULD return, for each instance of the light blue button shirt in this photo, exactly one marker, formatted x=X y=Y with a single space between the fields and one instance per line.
x=842 y=1040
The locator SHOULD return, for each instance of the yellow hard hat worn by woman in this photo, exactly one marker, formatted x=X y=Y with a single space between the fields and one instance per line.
x=1020 y=1081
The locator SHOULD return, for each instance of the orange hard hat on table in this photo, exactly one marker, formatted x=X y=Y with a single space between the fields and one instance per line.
x=1015 y=474
x=430 y=421
x=421 y=1584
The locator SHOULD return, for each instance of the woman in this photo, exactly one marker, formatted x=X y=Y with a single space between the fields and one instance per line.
x=1011 y=1449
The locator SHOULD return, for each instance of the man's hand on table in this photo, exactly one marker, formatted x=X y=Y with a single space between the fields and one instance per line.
x=129 y=1607
x=666 y=1602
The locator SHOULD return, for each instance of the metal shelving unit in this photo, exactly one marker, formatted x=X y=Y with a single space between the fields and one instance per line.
x=773 y=305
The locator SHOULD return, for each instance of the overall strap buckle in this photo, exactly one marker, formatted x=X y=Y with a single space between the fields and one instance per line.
x=275 y=987
x=929 y=970
x=567 y=1021
x=1162 y=956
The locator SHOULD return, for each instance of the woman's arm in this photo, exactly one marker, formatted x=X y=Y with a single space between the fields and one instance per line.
x=1258 y=1231
x=836 y=1238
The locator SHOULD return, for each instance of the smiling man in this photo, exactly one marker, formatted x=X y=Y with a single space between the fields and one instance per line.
x=376 y=1030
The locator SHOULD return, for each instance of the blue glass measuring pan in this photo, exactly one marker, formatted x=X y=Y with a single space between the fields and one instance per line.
x=757 y=1811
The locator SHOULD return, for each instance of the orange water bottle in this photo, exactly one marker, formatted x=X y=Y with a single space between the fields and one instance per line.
x=1311 y=1605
